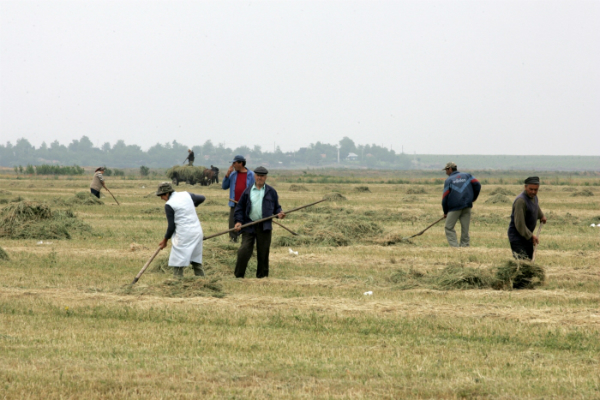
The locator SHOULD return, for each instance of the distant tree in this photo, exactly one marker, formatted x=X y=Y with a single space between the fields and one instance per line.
x=347 y=146
x=144 y=171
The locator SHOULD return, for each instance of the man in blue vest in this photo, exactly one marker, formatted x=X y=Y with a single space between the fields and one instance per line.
x=460 y=191
x=237 y=179
x=525 y=213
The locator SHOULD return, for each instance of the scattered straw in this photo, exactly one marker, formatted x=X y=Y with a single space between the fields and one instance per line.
x=85 y=199
x=31 y=220
x=137 y=247
x=498 y=198
x=183 y=288
x=335 y=197
x=5 y=192
x=153 y=210
x=298 y=188
x=3 y=255
x=362 y=189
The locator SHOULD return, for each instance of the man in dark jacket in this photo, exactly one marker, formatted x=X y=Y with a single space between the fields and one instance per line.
x=190 y=158
x=257 y=202
x=525 y=213
x=460 y=191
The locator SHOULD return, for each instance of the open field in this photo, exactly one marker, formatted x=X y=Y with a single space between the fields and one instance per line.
x=72 y=328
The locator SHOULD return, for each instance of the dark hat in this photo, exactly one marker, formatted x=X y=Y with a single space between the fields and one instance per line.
x=261 y=171
x=164 y=188
x=449 y=165
x=100 y=169
x=532 y=180
x=238 y=158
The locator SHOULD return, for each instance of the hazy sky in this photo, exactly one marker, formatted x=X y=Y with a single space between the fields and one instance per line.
x=437 y=77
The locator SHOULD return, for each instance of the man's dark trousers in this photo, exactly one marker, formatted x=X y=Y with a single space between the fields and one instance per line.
x=522 y=249
x=233 y=235
x=263 y=244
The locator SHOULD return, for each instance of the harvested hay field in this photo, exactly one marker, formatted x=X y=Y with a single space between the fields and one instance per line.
x=584 y=193
x=498 y=198
x=3 y=255
x=362 y=189
x=501 y=190
x=416 y=190
x=298 y=188
x=182 y=288
x=31 y=220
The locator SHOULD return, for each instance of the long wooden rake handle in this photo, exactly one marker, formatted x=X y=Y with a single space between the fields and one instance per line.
x=263 y=220
x=535 y=247
x=275 y=222
x=423 y=231
x=113 y=196
x=137 y=277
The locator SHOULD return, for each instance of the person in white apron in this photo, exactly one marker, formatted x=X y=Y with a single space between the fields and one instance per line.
x=184 y=228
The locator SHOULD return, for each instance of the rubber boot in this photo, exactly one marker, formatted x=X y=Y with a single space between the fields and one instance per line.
x=198 y=271
x=178 y=272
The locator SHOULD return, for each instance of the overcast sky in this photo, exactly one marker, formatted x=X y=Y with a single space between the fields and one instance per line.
x=436 y=77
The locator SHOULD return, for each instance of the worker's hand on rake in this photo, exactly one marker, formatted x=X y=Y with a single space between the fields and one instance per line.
x=281 y=215
x=238 y=226
x=445 y=215
x=163 y=243
x=543 y=220
x=536 y=240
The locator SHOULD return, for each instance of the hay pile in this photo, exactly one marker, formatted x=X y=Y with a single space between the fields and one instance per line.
x=362 y=189
x=513 y=274
x=298 y=188
x=335 y=197
x=584 y=192
x=3 y=255
x=31 y=220
x=416 y=190
x=499 y=198
x=501 y=190
x=85 y=199
x=332 y=230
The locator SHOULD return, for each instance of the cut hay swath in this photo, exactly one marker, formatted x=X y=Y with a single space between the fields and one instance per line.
x=584 y=193
x=85 y=199
x=416 y=190
x=298 y=188
x=501 y=190
x=31 y=220
x=335 y=197
x=362 y=189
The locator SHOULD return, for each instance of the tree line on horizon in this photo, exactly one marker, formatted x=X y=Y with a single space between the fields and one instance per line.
x=121 y=155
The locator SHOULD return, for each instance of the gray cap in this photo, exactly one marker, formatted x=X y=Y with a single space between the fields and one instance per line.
x=532 y=180
x=164 y=188
x=450 y=165
x=261 y=171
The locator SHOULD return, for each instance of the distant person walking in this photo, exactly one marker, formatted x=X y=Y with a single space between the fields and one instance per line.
x=525 y=213
x=184 y=227
x=215 y=171
x=258 y=201
x=98 y=182
x=460 y=191
x=190 y=158
x=237 y=179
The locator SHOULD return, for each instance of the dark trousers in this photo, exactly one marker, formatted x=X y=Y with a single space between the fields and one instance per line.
x=522 y=249
x=263 y=245
x=232 y=235
x=95 y=192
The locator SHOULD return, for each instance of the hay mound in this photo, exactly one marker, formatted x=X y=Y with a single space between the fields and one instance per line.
x=85 y=199
x=457 y=276
x=520 y=274
x=3 y=255
x=298 y=188
x=499 y=198
x=335 y=197
x=362 y=189
x=189 y=287
x=332 y=230
x=416 y=190
x=31 y=220
x=584 y=192
x=501 y=190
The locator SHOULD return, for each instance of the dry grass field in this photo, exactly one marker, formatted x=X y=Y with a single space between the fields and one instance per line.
x=71 y=326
